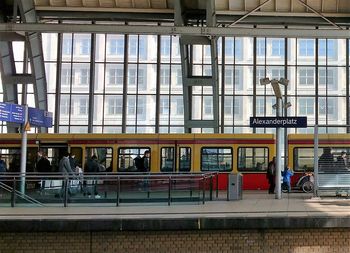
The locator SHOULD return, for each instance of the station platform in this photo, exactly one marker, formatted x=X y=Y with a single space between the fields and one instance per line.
x=257 y=210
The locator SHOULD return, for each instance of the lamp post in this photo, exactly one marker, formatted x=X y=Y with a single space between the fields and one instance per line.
x=278 y=106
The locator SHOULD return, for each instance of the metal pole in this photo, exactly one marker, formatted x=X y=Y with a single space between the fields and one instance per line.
x=278 y=168
x=24 y=150
x=316 y=161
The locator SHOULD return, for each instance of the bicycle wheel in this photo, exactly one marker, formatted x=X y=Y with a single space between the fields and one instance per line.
x=307 y=186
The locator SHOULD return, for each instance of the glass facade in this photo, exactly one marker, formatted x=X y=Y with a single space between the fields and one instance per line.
x=112 y=83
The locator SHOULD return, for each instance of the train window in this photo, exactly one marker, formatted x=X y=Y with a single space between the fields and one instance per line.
x=253 y=159
x=216 y=159
x=104 y=157
x=126 y=156
x=12 y=159
x=304 y=157
x=167 y=159
x=185 y=160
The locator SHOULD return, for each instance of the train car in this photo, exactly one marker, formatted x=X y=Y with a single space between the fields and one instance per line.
x=301 y=151
x=178 y=153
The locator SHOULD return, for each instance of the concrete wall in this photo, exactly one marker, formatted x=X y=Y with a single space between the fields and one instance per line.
x=262 y=241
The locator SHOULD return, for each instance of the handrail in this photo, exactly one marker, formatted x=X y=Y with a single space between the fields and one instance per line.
x=201 y=181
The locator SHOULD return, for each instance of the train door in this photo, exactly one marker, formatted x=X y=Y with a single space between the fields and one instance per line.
x=54 y=152
x=167 y=158
x=185 y=158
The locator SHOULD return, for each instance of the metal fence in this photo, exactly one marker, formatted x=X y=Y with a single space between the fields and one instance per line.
x=112 y=188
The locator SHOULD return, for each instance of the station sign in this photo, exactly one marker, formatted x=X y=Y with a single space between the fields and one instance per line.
x=15 y=113
x=39 y=118
x=273 y=122
x=11 y=113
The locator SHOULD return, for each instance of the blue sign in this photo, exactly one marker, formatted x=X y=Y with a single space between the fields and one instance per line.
x=15 y=113
x=11 y=113
x=272 y=122
x=39 y=118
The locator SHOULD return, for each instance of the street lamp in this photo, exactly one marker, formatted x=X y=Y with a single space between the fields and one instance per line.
x=278 y=107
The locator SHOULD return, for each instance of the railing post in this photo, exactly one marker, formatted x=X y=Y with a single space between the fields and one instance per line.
x=118 y=190
x=217 y=185
x=13 y=195
x=203 y=188
x=65 y=196
x=211 y=186
x=169 y=191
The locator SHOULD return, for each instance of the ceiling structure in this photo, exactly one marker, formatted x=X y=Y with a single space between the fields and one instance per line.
x=228 y=12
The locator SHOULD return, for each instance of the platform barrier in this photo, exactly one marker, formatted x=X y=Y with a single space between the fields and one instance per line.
x=110 y=188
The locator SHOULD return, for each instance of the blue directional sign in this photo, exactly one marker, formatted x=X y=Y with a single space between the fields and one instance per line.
x=273 y=122
x=11 y=113
x=39 y=118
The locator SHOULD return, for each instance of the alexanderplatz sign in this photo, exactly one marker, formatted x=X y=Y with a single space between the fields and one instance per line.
x=273 y=122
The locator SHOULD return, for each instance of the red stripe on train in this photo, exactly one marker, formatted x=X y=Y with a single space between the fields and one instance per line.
x=31 y=142
x=320 y=142
x=206 y=141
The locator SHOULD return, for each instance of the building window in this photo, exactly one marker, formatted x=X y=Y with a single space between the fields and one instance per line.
x=84 y=47
x=65 y=76
x=64 y=106
x=306 y=106
x=115 y=76
x=132 y=76
x=326 y=77
x=208 y=105
x=67 y=45
x=83 y=106
x=141 y=108
x=115 y=106
x=164 y=106
x=260 y=73
x=326 y=47
x=82 y=76
x=277 y=73
x=229 y=47
x=327 y=106
x=178 y=76
x=116 y=46
x=164 y=76
x=133 y=46
x=306 y=47
x=142 y=79
x=179 y=106
x=260 y=106
x=131 y=105
x=228 y=106
x=306 y=76
x=165 y=47
x=277 y=47
x=228 y=76
x=238 y=108
x=238 y=79
x=260 y=47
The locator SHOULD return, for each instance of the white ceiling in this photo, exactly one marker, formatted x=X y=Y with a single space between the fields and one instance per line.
x=326 y=7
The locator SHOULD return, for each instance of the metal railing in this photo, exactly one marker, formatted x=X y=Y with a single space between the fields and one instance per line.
x=55 y=188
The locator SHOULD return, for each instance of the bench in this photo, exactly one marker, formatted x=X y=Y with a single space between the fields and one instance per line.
x=336 y=183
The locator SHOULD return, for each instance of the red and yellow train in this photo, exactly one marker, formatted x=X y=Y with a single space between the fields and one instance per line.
x=248 y=154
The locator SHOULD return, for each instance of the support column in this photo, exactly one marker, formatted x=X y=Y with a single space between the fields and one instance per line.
x=188 y=79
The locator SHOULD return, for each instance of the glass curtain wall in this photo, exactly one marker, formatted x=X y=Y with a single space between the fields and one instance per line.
x=133 y=83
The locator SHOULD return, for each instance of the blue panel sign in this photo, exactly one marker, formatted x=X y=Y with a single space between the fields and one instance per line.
x=11 y=113
x=272 y=122
x=39 y=117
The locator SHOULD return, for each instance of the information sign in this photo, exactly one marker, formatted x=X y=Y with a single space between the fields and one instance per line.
x=273 y=122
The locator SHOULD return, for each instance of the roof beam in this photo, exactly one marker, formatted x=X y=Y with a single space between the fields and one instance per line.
x=177 y=30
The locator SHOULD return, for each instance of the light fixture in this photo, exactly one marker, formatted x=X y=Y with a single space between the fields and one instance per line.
x=264 y=81
x=287 y=105
x=284 y=81
x=276 y=88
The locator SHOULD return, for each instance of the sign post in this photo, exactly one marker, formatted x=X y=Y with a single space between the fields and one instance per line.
x=24 y=151
x=278 y=123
